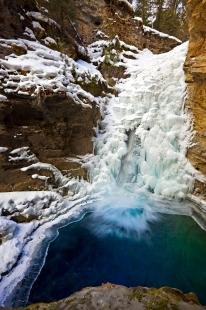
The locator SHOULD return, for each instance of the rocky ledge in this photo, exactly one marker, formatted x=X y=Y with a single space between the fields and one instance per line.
x=113 y=297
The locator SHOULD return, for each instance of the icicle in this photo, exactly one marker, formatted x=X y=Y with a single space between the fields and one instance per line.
x=150 y=107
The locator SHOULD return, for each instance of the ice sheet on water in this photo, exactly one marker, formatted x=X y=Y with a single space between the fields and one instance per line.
x=22 y=241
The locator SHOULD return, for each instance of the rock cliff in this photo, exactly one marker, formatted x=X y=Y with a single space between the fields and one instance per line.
x=49 y=90
x=111 y=296
x=195 y=68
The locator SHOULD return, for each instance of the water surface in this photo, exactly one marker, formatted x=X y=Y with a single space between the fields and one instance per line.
x=170 y=252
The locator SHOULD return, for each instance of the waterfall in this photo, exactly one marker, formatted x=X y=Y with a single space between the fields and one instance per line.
x=144 y=135
x=140 y=156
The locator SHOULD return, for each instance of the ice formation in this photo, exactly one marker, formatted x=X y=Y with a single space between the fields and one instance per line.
x=20 y=241
x=145 y=133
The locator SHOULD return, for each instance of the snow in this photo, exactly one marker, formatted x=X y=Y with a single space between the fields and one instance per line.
x=137 y=18
x=49 y=40
x=22 y=153
x=83 y=67
x=3 y=98
x=29 y=33
x=160 y=34
x=21 y=241
x=73 y=186
x=134 y=5
x=21 y=16
x=37 y=25
x=12 y=242
x=96 y=51
x=42 y=69
x=22 y=201
x=101 y=34
x=59 y=178
x=14 y=234
x=40 y=177
x=3 y=149
x=42 y=18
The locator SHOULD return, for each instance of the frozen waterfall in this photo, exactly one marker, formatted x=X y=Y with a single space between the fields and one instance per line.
x=143 y=138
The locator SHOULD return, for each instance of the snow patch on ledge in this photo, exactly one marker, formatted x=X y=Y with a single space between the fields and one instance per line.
x=160 y=34
x=3 y=98
x=42 y=18
x=42 y=70
x=3 y=149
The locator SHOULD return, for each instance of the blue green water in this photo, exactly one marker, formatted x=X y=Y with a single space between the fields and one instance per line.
x=170 y=252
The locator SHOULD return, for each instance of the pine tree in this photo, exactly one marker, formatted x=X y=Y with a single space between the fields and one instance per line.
x=168 y=16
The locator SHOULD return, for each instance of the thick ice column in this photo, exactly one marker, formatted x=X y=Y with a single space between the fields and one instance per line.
x=151 y=107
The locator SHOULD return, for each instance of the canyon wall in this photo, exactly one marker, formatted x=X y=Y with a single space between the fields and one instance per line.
x=76 y=22
x=195 y=68
x=40 y=121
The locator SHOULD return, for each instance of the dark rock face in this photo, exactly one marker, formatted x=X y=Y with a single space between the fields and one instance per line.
x=53 y=130
x=195 y=68
x=14 y=20
x=116 y=297
x=79 y=22
x=10 y=26
x=113 y=18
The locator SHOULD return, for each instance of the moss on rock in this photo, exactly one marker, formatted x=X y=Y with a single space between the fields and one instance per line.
x=116 y=297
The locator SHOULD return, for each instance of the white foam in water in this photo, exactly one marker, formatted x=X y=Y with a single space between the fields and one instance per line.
x=146 y=131
x=123 y=215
